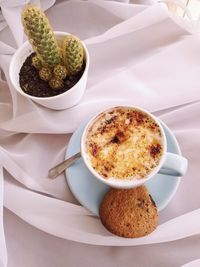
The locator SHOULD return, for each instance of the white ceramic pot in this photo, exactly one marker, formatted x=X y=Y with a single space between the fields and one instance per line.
x=58 y=102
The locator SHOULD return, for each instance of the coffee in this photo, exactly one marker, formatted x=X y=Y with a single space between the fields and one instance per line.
x=124 y=143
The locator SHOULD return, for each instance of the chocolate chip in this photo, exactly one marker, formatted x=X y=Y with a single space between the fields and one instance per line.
x=140 y=117
x=153 y=202
x=115 y=140
x=111 y=120
x=94 y=150
x=155 y=150
x=118 y=138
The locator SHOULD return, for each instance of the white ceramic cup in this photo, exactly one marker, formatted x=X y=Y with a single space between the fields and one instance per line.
x=169 y=164
x=59 y=102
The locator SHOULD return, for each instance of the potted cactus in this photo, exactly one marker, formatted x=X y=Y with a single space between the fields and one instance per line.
x=51 y=68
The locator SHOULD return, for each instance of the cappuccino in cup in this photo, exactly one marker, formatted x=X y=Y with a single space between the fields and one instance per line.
x=124 y=143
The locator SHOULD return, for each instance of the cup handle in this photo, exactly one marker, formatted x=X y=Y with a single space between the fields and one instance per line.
x=174 y=165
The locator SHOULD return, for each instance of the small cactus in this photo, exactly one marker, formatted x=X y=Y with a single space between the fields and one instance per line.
x=45 y=74
x=56 y=83
x=73 y=53
x=53 y=60
x=36 y=62
x=60 y=72
x=41 y=36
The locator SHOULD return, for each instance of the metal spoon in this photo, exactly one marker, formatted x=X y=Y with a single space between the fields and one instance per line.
x=58 y=169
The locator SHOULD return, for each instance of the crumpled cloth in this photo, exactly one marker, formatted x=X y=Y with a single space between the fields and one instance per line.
x=139 y=56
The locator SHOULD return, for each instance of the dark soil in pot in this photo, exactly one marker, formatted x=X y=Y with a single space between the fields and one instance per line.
x=31 y=83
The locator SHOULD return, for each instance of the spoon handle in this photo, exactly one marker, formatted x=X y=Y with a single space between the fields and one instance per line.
x=58 y=169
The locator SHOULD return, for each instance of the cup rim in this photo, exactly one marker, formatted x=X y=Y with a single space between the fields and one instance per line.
x=20 y=51
x=123 y=184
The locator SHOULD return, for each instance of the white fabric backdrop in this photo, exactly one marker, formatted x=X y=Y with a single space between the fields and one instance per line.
x=157 y=68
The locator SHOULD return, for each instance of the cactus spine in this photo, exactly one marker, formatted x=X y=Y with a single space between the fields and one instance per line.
x=56 y=83
x=45 y=74
x=41 y=36
x=60 y=72
x=73 y=54
x=36 y=62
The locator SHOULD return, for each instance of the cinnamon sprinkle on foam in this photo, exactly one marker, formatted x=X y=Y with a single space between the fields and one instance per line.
x=124 y=143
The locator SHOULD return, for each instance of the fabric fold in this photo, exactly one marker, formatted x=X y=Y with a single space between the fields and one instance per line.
x=75 y=223
x=3 y=250
x=139 y=56
x=113 y=76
